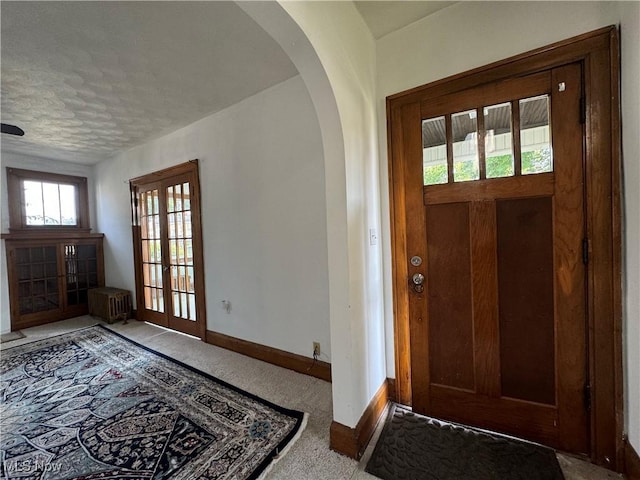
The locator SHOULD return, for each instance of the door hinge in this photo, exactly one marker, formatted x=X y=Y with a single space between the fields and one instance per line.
x=583 y=110
x=585 y=251
x=587 y=397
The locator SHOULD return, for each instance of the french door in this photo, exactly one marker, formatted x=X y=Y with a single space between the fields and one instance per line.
x=495 y=229
x=168 y=249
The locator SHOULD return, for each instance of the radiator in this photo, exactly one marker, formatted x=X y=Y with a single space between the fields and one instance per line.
x=110 y=304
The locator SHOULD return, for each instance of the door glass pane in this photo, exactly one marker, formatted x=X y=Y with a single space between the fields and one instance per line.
x=535 y=136
x=192 y=307
x=171 y=221
x=71 y=266
x=173 y=251
x=187 y=224
x=151 y=250
x=180 y=245
x=464 y=127
x=190 y=286
x=186 y=197
x=188 y=251
x=498 y=141
x=161 y=303
x=179 y=229
x=434 y=151
x=170 y=200
x=37 y=270
x=38 y=254
x=178 y=189
x=176 y=304
x=38 y=275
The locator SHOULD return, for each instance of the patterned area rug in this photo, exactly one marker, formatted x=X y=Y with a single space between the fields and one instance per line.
x=415 y=447
x=94 y=405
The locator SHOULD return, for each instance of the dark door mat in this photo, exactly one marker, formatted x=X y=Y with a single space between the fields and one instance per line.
x=415 y=447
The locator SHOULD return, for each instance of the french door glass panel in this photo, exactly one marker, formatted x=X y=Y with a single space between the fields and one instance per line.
x=181 y=251
x=151 y=250
x=167 y=250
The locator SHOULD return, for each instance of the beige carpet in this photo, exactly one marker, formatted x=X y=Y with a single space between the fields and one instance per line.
x=310 y=457
x=11 y=336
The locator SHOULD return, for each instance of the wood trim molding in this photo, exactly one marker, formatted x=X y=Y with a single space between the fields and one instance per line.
x=292 y=361
x=352 y=442
x=179 y=169
x=51 y=235
x=393 y=394
x=631 y=461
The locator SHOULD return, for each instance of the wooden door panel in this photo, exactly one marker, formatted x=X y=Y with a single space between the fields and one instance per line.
x=485 y=298
x=526 y=301
x=523 y=419
x=449 y=301
x=492 y=189
x=410 y=140
x=569 y=233
x=503 y=342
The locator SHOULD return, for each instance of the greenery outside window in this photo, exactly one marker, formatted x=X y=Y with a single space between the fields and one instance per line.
x=41 y=201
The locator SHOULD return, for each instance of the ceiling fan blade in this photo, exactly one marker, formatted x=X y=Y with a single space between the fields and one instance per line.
x=12 y=129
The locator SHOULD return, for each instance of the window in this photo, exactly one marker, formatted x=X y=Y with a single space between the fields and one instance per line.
x=491 y=141
x=47 y=201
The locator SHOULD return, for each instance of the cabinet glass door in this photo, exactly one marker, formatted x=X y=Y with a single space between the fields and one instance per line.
x=81 y=272
x=37 y=271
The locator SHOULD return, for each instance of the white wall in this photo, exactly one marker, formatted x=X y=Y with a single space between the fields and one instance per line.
x=471 y=34
x=630 y=73
x=43 y=165
x=346 y=50
x=335 y=54
x=263 y=216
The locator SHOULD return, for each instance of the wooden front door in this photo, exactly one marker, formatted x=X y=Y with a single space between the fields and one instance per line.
x=168 y=249
x=495 y=229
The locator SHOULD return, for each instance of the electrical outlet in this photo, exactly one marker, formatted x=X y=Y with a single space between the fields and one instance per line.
x=316 y=349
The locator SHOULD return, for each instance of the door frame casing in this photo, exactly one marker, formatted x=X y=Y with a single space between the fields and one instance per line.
x=189 y=168
x=598 y=51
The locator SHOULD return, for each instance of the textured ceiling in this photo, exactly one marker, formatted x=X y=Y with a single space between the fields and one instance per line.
x=86 y=80
x=385 y=17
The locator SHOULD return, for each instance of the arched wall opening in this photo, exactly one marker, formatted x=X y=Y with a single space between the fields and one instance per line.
x=335 y=54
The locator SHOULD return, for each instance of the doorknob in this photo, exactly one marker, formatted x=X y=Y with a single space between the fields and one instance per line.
x=165 y=268
x=418 y=280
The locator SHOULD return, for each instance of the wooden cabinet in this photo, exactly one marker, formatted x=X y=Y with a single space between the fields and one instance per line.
x=49 y=278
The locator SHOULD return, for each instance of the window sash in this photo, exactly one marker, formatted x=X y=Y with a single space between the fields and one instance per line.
x=17 y=205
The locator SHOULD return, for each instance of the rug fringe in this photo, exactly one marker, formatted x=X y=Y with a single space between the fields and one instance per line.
x=282 y=453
